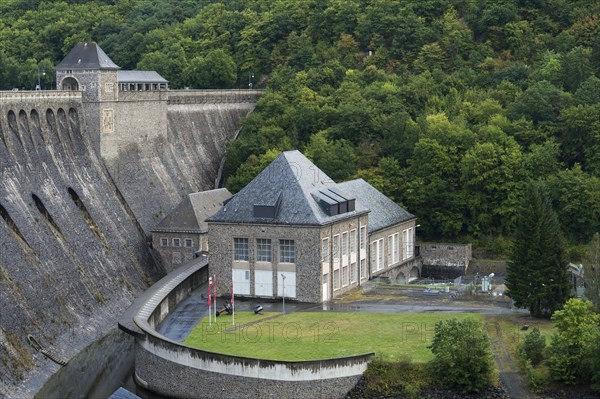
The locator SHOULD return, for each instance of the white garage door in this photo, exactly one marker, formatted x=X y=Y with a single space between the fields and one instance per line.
x=263 y=283
x=241 y=281
x=290 y=284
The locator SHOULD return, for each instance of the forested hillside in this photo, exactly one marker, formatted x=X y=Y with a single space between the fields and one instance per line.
x=447 y=106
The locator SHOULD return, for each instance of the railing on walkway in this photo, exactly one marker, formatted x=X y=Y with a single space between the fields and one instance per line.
x=39 y=95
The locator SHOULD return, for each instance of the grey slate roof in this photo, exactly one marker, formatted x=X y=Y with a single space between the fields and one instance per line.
x=190 y=215
x=293 y=176
x=140 y=77
x=87 y=55
x=384 y=211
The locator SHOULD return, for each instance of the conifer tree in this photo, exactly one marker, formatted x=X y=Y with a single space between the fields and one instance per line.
x=537 y=276
x=591 y=273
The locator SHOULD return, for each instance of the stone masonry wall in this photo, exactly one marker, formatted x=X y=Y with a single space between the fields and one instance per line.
x=307 y=266
x=444 y=260
x=172 y=256
x=172 y=379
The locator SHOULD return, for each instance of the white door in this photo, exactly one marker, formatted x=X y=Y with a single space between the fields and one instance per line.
x=290 y=284
x=241 y=281
x=263 y=283
x=325 y=287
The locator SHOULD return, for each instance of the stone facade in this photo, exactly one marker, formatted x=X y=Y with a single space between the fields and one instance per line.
x=178 y=248
x=396 y=244
x=346 y=268
x=443 y=260
x=306 y=266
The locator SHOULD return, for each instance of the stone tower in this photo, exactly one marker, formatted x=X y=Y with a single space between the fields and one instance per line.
x=88 y=69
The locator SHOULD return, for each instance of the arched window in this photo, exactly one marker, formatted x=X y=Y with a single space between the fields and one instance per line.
x=70 y=83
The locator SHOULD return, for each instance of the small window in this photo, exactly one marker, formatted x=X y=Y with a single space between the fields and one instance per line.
x=287 y=251
x=176 y=242
x=240 y=249
x=164 y=242
x=247 y=275
x=263 y=250
x=189 y=243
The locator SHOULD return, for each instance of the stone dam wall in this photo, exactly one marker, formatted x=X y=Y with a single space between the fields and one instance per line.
x=154 y=171
x=73 y=226
x=72 y=255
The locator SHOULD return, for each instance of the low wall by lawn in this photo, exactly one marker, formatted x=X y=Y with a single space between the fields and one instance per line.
x=176 y=370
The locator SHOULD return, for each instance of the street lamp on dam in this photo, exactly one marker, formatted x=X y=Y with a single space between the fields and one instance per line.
x=250 y=77
x=39 y=83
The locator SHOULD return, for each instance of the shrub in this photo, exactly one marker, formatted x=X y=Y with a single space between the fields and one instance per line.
x=402 y=378
x=463 y=358
x=571 y=353
x=533 y=347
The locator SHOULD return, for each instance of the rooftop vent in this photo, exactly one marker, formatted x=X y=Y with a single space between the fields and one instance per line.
x=269 y=208
x=334 y=202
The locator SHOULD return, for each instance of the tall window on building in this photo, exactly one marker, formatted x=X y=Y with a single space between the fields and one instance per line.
x=380 y=254
x=363 y=268
x=345 y=276
x=353 y=272
x=176 y=242
x=189 y=243
x=240 y=249
x=363 y=237
x=352 y=241
x=164 y=242
x=325 y=250
x=336 y=279
x=408 y=241
x=287 y=251
x=396 y=247
x=393 y=248
x=263 y=250
x=336 y=248
x=344 y=244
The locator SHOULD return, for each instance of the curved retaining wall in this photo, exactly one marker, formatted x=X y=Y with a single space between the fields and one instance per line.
x=175 y=370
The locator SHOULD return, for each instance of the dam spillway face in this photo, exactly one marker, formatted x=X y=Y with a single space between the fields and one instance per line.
x=72 y=256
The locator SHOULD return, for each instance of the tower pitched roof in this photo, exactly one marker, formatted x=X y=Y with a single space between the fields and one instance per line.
x=87 y=55
x=288 y=191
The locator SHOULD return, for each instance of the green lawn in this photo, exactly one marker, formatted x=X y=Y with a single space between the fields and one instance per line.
x=319 y=335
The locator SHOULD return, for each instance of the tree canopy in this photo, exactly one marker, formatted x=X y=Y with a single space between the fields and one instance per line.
x=449 y=107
